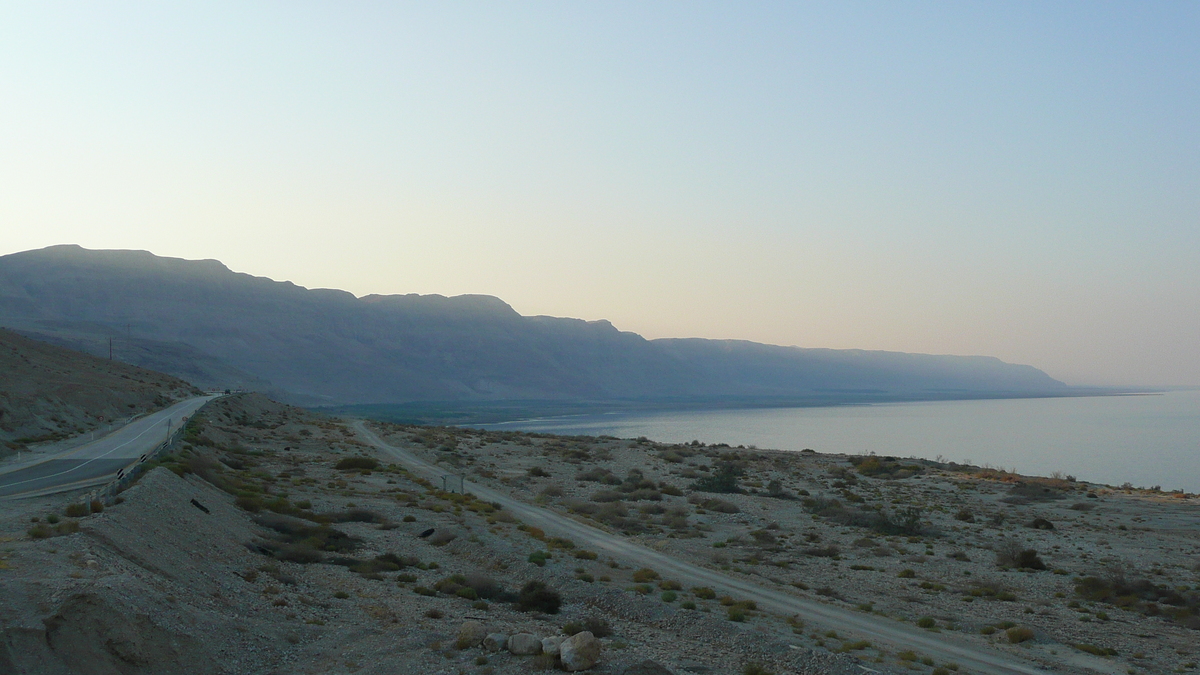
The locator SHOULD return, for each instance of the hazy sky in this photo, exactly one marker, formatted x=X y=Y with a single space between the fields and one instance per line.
x=1013 y=179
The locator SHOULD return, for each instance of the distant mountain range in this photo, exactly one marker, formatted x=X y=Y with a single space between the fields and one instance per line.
x=206 y=324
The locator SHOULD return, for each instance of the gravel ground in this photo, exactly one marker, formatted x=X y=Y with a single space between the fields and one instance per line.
x=155 y=583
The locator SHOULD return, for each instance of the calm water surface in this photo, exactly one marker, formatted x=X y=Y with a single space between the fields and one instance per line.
x=1145 y=440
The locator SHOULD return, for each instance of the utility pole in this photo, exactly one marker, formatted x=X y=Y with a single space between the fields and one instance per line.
x=110 y=349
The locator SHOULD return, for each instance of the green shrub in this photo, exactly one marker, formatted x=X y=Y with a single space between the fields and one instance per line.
x=926 y=622
x=645 y=574
x=536 y=596
x=907 y=574
x=1019 y=634
x=357 y=463
x=704 y=593
x=723 y=480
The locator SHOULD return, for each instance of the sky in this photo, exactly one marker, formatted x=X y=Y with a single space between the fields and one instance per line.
x=1020 y=180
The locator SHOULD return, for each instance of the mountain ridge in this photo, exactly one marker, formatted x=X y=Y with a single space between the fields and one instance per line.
x=328 y=346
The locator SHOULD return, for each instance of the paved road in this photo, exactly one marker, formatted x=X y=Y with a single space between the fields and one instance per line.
x=96 y=462
x=941 y=646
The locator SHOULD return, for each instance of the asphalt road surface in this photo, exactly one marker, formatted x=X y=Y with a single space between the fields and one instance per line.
x=99 y=460
x=943 y=647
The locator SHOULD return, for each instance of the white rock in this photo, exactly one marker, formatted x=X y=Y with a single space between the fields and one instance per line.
x=524 y=644
x=471 y=634
x=494 y=642
x=551 y=644
x=580 y=651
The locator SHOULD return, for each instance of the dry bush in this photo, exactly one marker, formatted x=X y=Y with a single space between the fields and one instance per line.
x=357 y=464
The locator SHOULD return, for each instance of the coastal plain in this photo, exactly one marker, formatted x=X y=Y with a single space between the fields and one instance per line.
x=308 y=556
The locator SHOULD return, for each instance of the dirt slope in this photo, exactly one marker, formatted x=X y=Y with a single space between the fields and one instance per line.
x=49 y=393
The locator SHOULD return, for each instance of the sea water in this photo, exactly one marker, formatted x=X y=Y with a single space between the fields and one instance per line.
x=1146 y=440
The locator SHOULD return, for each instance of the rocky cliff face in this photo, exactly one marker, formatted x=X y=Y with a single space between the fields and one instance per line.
x=329 y=346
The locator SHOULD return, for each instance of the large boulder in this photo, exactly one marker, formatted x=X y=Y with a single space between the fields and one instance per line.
x=470 y=634
x=580 y=651
x=550 y=645
x=524 y=644
x=494 y=642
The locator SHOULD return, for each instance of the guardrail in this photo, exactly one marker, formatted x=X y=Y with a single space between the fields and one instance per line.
x=129 y=475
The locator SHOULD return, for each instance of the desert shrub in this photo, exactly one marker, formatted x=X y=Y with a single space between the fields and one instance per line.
x=830 y=551
x=97 y=506
x=607 y=496
x=640 y=494
x=965 y=515
x=1011 y=554
x=723 y=480
x=357 y=464
x=1142 y=596
x=298 y=541
x=907 y=574
x=537 y=472
x=1019 y=634
x=926 y=622
x=644 y=575
x=1040 y=524
x=884 y=467
x=719 y=506
x=584 y=554
x=353 y=516
x=668 y=489
x=704 y=593
x=756 y=668
x=597 y=626
x=536 y=596
x=598 y=475
x=76 y=510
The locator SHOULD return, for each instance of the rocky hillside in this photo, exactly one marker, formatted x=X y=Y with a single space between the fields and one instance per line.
x=49 y=393
x=327 y=346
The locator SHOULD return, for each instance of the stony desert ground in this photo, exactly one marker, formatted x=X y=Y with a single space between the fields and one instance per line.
x=308 y=557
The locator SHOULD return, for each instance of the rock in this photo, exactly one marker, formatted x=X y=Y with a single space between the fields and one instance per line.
x=647 y=667
x=471 y=634
x=494 y=642
x=524 y=644
x=551 y=644
x=580 y=651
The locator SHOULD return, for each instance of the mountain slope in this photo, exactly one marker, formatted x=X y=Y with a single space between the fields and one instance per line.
x=329 y=346
x=49 y=392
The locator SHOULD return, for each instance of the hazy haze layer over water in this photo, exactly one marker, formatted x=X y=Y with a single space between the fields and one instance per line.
x=1145 y=440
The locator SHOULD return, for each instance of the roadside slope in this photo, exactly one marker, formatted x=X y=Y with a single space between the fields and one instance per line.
x=50 y=393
